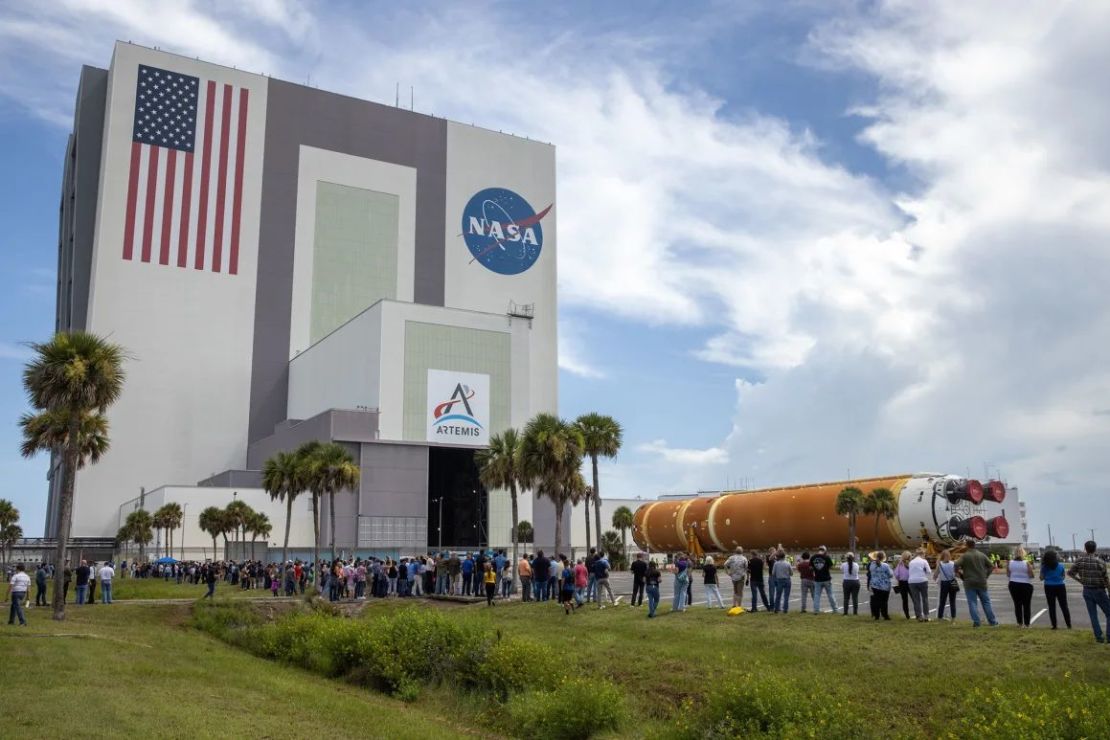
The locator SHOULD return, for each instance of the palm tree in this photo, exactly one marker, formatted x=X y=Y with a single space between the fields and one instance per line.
x=259 y=526
x=9 y=535
x=882 y=504
x=211 y=522
x=551 y=461
x=281 y=477
x=161 y=522
x=849 y=503
x=622 y=520
x=72 y=377
x=338 y=471
x=9 y=530
x=174 y=517
x=611 y=544
x=499 y=467
x=139 y=525
x=238 y=513
x=312 y=479
x=601 y=437
x=524 y=531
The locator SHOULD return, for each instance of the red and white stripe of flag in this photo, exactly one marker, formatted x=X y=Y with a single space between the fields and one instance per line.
x=184 y=208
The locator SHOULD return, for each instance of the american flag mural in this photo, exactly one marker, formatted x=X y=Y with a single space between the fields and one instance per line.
x=185 y=186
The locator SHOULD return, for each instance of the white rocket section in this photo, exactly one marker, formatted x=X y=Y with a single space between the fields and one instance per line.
x=924 y=509
x=189 y=333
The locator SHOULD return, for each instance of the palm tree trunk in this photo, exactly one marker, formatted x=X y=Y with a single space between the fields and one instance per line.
x=331 y=516
x=589 y=524
x=213 y=548
x=852 y=532
x=288 y=521
x=876 y=531
x=558 y=528
x=516 y=523
x=624 y=545
x=66 y=513
x=316 y=541
x=254 y=537
x=597 y=502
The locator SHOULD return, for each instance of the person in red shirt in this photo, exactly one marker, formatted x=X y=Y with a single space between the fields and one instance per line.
x=581 y=578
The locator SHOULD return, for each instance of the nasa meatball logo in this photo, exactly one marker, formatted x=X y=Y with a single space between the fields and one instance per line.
x=503 y=231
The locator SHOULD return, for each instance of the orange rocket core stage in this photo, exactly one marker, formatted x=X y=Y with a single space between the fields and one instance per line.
x=796 y=517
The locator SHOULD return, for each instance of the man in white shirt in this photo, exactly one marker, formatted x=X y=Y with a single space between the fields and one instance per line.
x=106 y=574
x=920 y=572
x=17 y=589
x=737 y=567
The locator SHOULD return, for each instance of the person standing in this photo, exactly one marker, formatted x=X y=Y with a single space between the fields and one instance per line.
x=851 y=583
x=591 y=582
x=210 y=579
x=568 y=595
x=737 y=568
x=601 y=581
x=67 y=578
x=822 y=578
x=581 y=578
x=506 y=578
x=919 y=586
x=781 y=571
x=489 y=578
x=755 y=579
x=92 y=584
x=709 y=577
x=651 y=585
x=468 y=579
x=18 y=587
x=805 y=575
x=1053 y=573
x=40 y=585
x=974 y=567
x=524 y=572
x=879 y=578
x=106 y=574
x=1020 y=572
x=541 y=570
x=639 y=570
x=949 y=586
x=681 y=581
x=1090 y=571
x=902 y=576
x=83 y=573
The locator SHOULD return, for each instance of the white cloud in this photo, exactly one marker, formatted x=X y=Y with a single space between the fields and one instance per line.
x=679 y=456
x=9 y=351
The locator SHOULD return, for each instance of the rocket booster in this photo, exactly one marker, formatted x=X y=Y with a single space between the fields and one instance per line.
x=930 y=507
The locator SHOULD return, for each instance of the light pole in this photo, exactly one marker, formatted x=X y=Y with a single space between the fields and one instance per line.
x=1092 y=535
x=439 y=521
x=1073 y=547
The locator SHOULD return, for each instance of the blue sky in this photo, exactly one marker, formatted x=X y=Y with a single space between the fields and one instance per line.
x=795 y=238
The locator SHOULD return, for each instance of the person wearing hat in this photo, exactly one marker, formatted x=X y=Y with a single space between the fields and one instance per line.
x=822 y=578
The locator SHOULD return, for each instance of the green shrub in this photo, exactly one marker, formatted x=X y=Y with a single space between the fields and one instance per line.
x=420 y=646
x=227 y=620
x=765 y=706
x=577 y=709
x=1068 y=710
x=514 y=665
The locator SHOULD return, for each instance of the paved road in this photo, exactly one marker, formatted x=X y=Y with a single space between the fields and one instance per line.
x=1000 y=599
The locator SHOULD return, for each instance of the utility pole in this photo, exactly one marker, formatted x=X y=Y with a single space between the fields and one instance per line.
x=1050 y=535
x=1073 y=547
x=1092 y=535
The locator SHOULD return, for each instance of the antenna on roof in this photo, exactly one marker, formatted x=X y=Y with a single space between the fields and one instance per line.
x=397 y=100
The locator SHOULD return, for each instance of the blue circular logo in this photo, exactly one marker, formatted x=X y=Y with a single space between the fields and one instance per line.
x=502 y=231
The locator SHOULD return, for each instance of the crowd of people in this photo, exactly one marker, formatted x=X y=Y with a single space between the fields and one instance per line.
x=768 y=577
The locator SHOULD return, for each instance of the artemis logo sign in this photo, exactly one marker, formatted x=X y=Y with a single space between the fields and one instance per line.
x=458 y=408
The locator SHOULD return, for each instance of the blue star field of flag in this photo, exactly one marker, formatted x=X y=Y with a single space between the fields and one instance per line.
x=166 y=109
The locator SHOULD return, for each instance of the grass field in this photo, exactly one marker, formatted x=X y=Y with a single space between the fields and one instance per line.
x=125 y=589
x=140 y=671
x=898 y=679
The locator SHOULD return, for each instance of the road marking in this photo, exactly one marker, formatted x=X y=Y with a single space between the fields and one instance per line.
x=1037 y=615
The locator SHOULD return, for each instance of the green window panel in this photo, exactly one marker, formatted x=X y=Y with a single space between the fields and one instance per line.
x=437 y=347
x=354 y=254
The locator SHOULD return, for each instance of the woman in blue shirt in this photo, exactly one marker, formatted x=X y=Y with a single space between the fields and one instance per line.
x=1052 y=573
x=879 y=577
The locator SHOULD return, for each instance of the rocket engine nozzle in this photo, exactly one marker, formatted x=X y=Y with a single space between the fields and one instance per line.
x=998 y=527
x=965 y=490
x=973 y=526
x=996 y=491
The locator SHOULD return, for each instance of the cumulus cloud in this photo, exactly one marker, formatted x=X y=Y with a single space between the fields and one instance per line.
x=660 y=450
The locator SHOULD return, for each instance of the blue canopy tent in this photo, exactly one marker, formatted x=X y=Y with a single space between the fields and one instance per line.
x=166 y=560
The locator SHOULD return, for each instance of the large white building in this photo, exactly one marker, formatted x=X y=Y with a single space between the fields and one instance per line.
x=284 y=263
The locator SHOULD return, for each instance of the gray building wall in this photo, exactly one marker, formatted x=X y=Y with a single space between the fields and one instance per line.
x=76 y=228
x=296 y=116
